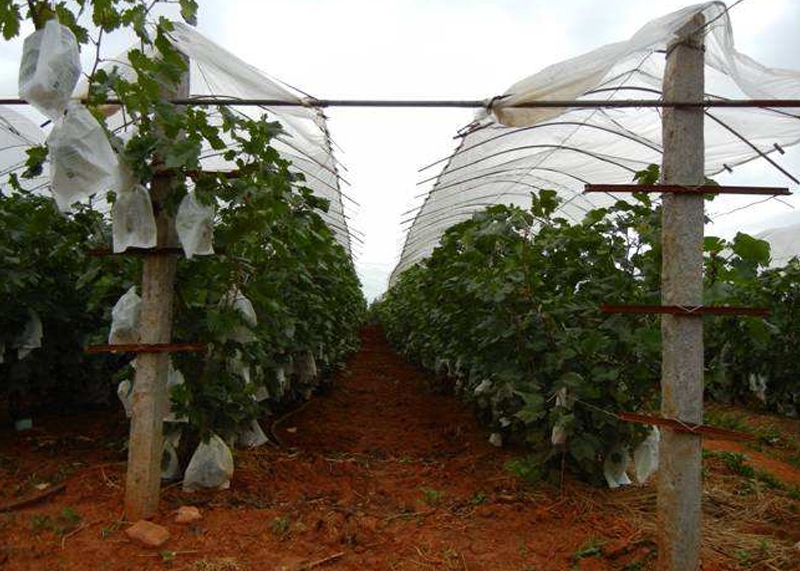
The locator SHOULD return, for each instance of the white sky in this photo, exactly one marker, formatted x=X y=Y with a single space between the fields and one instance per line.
x=449 y=49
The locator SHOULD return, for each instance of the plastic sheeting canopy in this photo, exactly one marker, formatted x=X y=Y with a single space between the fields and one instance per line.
x=509 y=152
x=216 y=72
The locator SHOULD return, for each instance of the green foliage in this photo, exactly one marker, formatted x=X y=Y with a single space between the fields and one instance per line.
x=593 y=548
x=280 y=526
x=479 y=498
x=747 y=351
x=508 y=304
x=9 y=19
x=45 y=269
x=432 y=497
x=273 y=246
x=68 y=520
x=529 y=468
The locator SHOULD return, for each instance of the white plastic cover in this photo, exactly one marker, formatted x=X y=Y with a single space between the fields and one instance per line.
x=615 y=467
x=170 y=463
x=564 y=398
x=260 y=395
x=645 y=457
x=558 y=435
x=133 y=223
x=216 y=71
x=195 y=225
x=758 y=386
x=237 y=366
x=174 y=379
x=509 y=152
x=482 y=387
x=252 y=436
x=125 y=394
x=305 y=367
x=125 y=319
x=235 y=299
x=211 y=466
x=82 y=161
x=17 y=134
x=49 y=69
x=784 y=243
x=306 y=142
x=281 y=377
x=31 y=336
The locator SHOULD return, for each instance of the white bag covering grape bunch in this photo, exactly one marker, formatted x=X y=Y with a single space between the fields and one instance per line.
x=252 y=436
x=195 y=226
x=236 y=300
x=31 y=336
x=133 y=221
x=125 y=319
x=170 y=463
x=174 y=379
x=50 y=68
x=125 y=394
x=82 y=162
x=211 y=466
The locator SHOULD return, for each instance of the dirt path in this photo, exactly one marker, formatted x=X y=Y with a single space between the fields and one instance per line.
x=381 y=472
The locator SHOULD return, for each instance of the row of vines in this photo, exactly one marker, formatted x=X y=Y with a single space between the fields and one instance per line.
x=264 y=284
x=508 y=305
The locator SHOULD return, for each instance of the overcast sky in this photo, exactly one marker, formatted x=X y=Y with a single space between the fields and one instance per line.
x=447 y=49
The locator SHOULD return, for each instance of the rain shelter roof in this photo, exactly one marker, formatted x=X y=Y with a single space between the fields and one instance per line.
x=510 y=151
x=216 y=72
x=784 y=243
x=17 y=133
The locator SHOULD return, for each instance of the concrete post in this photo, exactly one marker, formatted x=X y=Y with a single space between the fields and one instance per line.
x=149 y=399
x=680 y=478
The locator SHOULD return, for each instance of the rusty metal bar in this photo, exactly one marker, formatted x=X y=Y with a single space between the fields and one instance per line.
x=682 y=189
x=677 y=425
x=147 y=348
x=194 y=174
x=685 y=310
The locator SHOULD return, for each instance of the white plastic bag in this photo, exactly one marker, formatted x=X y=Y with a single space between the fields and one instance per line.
x=261 y=394
x=237 y=366
x=252 y=436
x=195 y=225
x=31 y=336
x=559 y=435
x=170 y=464
x=174 y=379
x=615 y=467
x=82 y=161
x=645 y=457
x=49 y=69
x=211 y=466
x=758 y=386
x=564 y=398
x=483 y=387
x=306 y=368
x=125 y=319
x=283 y=382
x=236 y=300
x=133 y=222
x=125 y=394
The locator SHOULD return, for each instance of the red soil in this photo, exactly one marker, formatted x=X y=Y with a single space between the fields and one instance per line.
x=787 y=473
x=383 y=472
